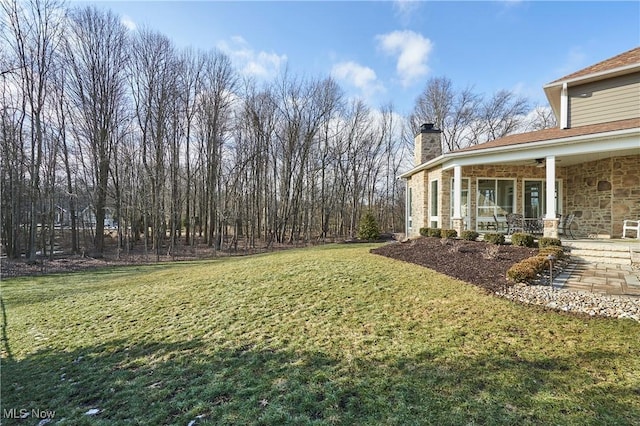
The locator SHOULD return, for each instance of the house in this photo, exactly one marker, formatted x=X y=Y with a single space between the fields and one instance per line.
x=589 y=166
x=87 y=218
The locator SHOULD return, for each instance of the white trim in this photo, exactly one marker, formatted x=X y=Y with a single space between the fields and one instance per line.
x=457 y=192
x=564 y=107
x=514 y=204
x=559 y=190
x=438 y=206
x=407 y=207
x=627 y=69
x=617 y=140
x=466 y=214
x=550 y=166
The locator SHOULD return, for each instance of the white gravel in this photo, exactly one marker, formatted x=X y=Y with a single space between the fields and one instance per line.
x=574 y=301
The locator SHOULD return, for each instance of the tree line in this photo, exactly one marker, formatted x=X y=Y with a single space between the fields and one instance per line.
x=173 y=147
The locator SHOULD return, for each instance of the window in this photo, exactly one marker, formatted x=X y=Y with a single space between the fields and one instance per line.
x=464 y=202
x=496 y=198
x=535 y=198
x=434 y=217
x=410 y=207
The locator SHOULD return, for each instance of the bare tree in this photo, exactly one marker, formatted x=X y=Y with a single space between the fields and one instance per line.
x=219 y=81
x=465 y=117
x=451 y=111
x=34 y=33
x=255 y=146
x=541 y=118
x=190 y=81
x=97 y=54
x=154 y=66
x=501 y=115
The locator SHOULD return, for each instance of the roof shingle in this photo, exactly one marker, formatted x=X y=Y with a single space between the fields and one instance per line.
x=629 y=57
x=556 y=133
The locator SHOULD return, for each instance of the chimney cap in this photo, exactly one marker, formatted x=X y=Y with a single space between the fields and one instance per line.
x=428 y=128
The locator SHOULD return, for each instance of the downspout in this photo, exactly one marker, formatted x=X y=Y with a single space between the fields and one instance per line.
x=564 y=107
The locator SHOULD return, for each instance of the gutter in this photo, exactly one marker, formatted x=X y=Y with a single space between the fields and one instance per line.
x=593 y=76
x=517 y=147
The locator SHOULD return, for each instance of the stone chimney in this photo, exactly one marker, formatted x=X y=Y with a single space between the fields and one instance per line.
x=427 y=144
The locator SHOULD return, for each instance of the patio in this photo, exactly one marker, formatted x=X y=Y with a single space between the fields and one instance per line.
x=604 y=266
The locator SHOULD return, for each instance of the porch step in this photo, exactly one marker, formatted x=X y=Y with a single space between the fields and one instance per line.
x=593 y=252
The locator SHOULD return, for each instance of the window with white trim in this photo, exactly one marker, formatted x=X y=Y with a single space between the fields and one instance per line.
x=535 y=198
x=495 y=199
x=464 y=201
x=434 y=217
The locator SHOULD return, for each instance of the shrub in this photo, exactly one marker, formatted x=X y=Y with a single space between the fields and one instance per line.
x=368 y=228
x=424 y=232
x=469 y=235
x=527 y=269
x=433 y=232
x=521 y=239
x=547 y=242
x=520 y=273
x=554 y=250
x=494 y=238
x=539 y=263
x=448 y=233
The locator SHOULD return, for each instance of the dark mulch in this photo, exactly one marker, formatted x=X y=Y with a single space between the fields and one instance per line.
x=476 y=262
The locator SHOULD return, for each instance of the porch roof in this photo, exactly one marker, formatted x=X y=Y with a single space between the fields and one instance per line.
x=574 y=145
x=555 y=133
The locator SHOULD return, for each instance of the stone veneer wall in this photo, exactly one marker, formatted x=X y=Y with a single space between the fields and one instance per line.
x=603 y=193
x=418 y=193
x=420 y=183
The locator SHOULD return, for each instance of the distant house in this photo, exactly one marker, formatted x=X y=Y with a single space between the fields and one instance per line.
x=88 y=218
x=588 y=167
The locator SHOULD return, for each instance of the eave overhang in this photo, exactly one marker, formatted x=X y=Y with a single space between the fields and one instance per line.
x=553 y=90
x=574 y=149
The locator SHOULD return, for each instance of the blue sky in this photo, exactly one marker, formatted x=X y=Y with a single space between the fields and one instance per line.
x=385 y=51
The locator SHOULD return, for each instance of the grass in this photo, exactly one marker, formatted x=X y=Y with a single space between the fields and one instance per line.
x=330 y=335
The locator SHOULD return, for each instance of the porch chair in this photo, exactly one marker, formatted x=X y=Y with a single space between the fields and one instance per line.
x=631 y=225
x=566 y=225
x=493 y=225
x=515 y=223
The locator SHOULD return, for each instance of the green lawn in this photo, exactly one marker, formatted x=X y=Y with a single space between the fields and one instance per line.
x=331 y=335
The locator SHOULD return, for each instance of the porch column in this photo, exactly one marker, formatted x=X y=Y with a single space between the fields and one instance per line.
x=457 y=219
x=550 y=220
x=407 y=209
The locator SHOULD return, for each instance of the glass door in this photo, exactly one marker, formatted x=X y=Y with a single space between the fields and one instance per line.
x=495 y=199
x=535 y=199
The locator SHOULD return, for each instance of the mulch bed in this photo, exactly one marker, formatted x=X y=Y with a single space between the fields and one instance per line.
x=480 y=263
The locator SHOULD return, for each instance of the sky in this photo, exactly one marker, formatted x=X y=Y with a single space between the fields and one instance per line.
x=384 y=52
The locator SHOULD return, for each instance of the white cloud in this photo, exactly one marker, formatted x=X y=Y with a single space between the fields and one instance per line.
x=405 y=9
x=249 y=62
x=364 y=78
x=412 y=50
x=128 y=22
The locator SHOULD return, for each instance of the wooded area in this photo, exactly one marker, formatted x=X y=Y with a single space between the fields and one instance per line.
x=103 y=127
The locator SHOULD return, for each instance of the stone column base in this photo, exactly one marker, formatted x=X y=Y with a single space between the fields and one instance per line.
x=550 y=228
x=458 y=225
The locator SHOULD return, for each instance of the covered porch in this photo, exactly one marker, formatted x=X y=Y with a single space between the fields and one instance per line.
x=595 y=181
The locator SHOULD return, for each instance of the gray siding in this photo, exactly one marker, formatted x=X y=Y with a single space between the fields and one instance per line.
x=604 y=101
